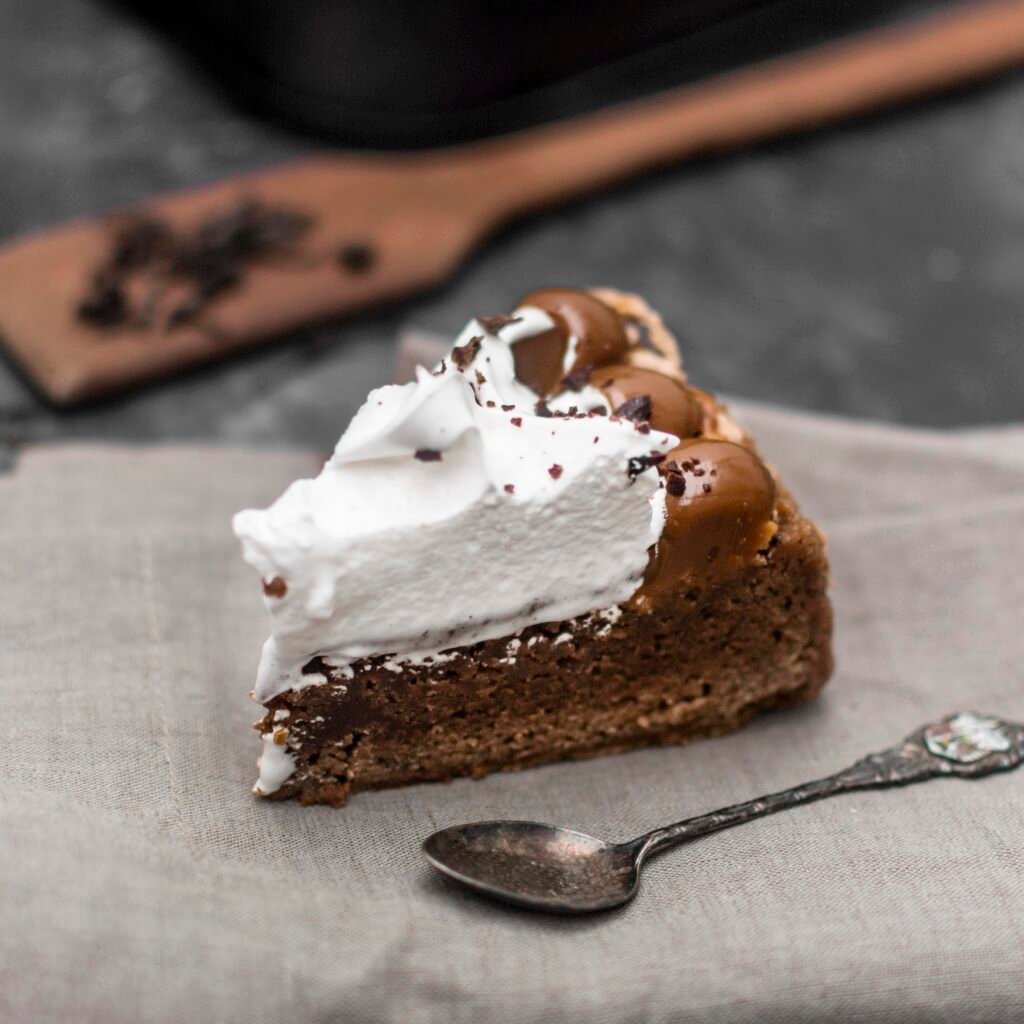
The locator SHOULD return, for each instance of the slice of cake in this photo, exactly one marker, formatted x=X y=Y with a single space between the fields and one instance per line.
x=551 y=546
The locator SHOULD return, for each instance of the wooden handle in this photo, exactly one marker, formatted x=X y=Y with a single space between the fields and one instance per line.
x=833 y=81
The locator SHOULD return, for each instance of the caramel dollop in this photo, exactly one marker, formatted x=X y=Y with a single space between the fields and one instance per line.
x=673 y=407
x=719 y=505
x=599 y=331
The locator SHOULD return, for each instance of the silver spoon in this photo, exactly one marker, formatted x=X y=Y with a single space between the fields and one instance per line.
x=546 y=867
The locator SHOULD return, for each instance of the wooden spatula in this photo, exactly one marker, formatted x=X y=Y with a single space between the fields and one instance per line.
x=421 y=214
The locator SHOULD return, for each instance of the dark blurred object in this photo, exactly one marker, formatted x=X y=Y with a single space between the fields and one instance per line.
x=416 y=73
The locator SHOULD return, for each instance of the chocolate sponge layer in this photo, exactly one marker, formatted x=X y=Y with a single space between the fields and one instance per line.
x=708 y=656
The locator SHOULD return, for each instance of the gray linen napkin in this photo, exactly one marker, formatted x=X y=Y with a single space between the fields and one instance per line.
x=140 y=881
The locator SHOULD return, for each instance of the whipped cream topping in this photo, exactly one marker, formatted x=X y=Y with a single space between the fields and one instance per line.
x=452 y=512
x=276 y=764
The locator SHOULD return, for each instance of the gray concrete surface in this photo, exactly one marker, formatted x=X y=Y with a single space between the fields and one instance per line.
x=874 y=270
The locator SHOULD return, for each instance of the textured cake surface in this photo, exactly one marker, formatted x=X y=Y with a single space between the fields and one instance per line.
x=715 y=610
x=699 y=665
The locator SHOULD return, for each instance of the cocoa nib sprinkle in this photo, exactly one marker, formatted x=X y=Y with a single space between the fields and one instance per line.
x=463 y=355
x=493 y=324
x=577 y=379
x=517 y=421
x=104 y=305
x=427 y=455
x=637 y=408
x=640 y=463
x=675 y=484
x=507 y=408
x=138 y=242
x=275 y=587
x=510 y=488
x=554 y=471
x=205 y=261
x=356 y=257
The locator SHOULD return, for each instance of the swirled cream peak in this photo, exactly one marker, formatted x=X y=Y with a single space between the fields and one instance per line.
x=452 y=512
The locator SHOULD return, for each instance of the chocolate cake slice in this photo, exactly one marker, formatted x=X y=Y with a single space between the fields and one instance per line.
x=550 y=546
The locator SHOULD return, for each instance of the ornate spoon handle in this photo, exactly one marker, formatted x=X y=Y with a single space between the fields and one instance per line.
x=965 y=744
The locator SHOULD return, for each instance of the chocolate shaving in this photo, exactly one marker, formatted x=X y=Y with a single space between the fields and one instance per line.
x=578 y=379
x=541 y=409
x=517 y=421
x=356 y=257
x=442 y=369
x=598 y=410
x=463 y=355
x=675 y=484
x=554 y=471
x=427 y=455
x=510 y=488
x=493 y=324
x=104 y=305
x=139 y=242
x=637 y=408
x=507 y=408
x=208 y=260
x=640 y=463
x=275 y=587
x=480 y=378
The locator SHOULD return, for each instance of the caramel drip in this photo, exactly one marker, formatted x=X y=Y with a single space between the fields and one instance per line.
x=539 y=360
x=718 y=514
x=599 y=331
x=674 y=408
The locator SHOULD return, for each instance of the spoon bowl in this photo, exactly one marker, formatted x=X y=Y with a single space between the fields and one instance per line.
x=543 y=867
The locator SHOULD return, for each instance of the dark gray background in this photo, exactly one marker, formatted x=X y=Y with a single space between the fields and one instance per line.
x=876 y=269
